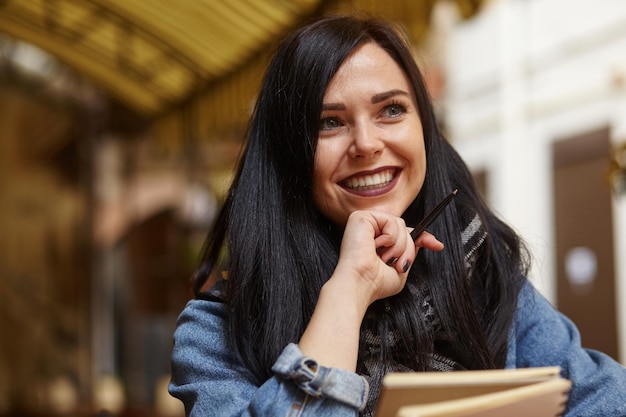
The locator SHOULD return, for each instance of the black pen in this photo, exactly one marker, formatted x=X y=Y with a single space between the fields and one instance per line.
x=419 y=229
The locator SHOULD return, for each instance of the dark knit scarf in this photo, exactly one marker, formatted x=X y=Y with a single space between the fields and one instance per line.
x=369 y=348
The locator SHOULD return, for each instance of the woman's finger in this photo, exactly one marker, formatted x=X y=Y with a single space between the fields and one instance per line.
x=428 y=241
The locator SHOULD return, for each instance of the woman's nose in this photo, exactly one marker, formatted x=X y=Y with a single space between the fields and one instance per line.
x=366 y=141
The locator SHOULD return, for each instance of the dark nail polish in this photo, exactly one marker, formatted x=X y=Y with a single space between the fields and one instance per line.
x=392 y=261
x=406 y=265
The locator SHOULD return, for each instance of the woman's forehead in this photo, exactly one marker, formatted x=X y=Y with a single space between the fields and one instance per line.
x=369 y=69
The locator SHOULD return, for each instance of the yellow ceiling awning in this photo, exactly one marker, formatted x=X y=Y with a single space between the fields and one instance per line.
x=151 y=54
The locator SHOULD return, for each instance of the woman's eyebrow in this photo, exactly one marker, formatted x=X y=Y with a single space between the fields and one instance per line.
x=333 y=106
x=377 y=98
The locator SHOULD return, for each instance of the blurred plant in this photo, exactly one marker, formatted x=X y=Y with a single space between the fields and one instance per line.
x=617 y=169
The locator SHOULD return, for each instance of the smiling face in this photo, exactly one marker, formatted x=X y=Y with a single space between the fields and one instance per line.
x=370 y=152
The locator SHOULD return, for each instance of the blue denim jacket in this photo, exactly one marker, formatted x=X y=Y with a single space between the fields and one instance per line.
x=211 y=380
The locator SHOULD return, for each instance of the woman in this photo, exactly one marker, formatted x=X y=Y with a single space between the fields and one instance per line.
x=324 y=291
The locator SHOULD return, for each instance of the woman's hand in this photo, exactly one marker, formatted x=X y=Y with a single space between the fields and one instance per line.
x=377 y=251
x=376 y=254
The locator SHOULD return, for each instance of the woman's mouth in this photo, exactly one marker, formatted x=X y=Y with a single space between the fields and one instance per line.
x=372 y=181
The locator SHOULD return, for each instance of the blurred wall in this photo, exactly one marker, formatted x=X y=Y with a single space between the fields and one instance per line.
x=521 y=77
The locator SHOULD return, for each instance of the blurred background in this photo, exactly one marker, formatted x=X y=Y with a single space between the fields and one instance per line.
x=121 y=122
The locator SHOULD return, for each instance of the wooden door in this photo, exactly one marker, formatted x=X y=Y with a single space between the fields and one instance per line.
x=584 y=238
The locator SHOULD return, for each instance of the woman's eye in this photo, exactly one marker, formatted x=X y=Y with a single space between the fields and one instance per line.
x=329 y=123
x=394 y=110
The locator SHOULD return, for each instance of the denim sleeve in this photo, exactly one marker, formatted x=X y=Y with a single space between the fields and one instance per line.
x=541 y=336
x=210 y=379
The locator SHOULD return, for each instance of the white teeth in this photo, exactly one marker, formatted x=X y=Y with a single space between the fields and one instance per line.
x=370 y=181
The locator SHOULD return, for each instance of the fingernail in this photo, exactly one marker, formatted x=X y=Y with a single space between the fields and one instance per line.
x=406 y=265
x=392 y=261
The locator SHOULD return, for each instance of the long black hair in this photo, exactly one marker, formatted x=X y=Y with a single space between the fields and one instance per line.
x=279 y=250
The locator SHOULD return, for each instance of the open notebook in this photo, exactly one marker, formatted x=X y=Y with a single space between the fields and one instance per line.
x=536 y=392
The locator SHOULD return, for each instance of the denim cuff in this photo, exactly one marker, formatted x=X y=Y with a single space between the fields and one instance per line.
x=319 y=381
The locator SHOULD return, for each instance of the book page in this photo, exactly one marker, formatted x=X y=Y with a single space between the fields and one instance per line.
x=413 y=388
x=542 y=399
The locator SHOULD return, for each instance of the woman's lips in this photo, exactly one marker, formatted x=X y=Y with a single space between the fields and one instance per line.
x=377 y=181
